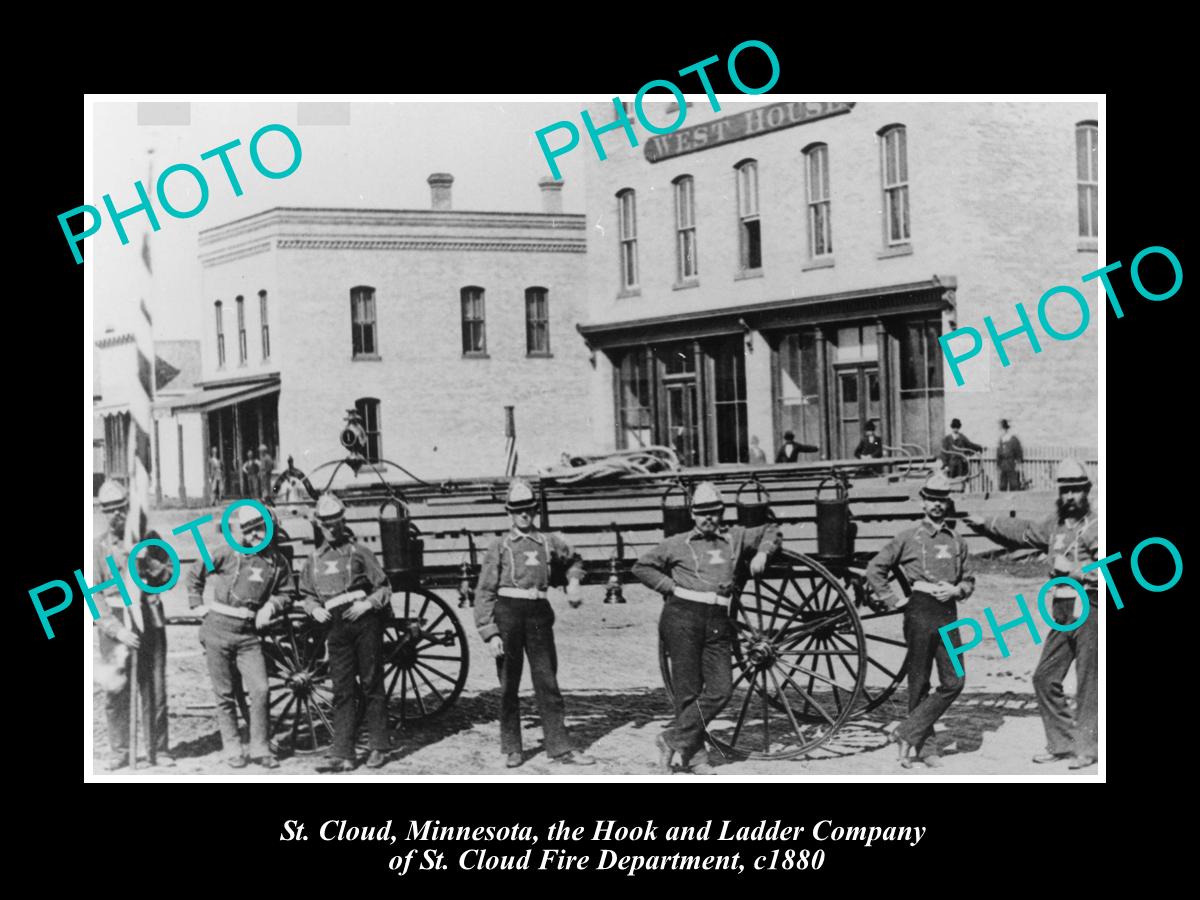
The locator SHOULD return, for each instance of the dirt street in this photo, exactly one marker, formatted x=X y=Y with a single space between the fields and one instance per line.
x=616 y=703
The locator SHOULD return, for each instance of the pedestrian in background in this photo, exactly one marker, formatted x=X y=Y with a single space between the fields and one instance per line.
x=758 y=456
x=789 y=450
x=266 y=467
x=250 y=475
x=1009 y=456
x=216 y=476
x=955 y=446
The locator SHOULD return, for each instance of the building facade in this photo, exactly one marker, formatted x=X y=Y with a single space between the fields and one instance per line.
x=428 y=323
x=778 y=267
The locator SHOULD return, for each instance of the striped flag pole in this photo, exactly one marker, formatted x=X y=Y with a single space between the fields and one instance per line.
x=510 y=443
x=140 y=468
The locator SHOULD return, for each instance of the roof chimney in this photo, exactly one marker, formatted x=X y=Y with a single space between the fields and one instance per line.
x=439 y=185
x=551 y=194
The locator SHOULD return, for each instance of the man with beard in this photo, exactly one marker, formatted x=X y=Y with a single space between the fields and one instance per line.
x=933 y=560
x=1071 y=535
x=249 y=591
x=695 y=572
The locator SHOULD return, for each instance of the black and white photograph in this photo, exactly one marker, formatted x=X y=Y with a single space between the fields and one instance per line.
x=427 y=440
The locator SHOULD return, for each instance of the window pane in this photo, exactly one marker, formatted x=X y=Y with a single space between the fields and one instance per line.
x=904 y=234
x=889 y=158
x=902 y=153
x=1081 y=154
x=752 y=244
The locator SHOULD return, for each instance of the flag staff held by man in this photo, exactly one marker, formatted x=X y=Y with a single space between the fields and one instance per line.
x=1071 y=534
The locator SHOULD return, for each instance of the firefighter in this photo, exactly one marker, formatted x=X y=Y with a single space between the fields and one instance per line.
x=249 y=591
x=1071 y=534
x=121 y=632
x=695 y=573
x=515 y=620
x=343 y=587
x=933 y=560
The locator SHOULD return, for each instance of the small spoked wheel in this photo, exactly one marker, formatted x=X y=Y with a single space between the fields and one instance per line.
x=798 y=663
x=425 y=656
x=301 y=697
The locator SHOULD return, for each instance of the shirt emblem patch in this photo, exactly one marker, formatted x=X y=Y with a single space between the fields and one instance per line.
x=531 y=558
x=256 y=574
x=331 y=567
x=943 y=551
x=1060 y=541
x=715 y=557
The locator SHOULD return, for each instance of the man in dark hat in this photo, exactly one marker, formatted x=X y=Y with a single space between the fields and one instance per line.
x=870 y=447
x=695 y=572
x=1009 y=456
x=789 y=450
x=955 y=446
x=1071 y=534
x=343 y=587
x=515 y=620
x=933 y=560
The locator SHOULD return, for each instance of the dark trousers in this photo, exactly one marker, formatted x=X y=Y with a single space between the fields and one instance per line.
x=698 y=638
x=1067 y=733
x=527 y=629
x=1010 y=480
x=152 y=691
x=356 y=654
x=922 y=618
x=233 y=650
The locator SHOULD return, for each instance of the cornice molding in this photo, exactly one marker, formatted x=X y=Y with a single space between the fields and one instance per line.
x=548 y=245
x=233 y=254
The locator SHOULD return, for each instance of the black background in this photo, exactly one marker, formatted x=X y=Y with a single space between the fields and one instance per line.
x=235 y=828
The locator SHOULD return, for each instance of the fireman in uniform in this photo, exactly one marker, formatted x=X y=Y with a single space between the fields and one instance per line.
x=515 y=619
x=1071 y=534
x=933 y=560
x=343 y=587
x=123 y=629
x=695 y=573
x=249 y=591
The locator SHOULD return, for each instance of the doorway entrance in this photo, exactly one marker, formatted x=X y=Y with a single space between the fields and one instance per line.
x=857 y=404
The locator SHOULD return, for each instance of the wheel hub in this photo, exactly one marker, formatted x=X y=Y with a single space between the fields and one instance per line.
x=761 y=653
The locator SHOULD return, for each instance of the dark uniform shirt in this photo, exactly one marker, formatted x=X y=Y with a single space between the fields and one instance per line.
x=113 y=612
x=928 y=552
x=527 y=561
x=335 y=568
x=870 y=445
x=707 y=563
x=244 y=581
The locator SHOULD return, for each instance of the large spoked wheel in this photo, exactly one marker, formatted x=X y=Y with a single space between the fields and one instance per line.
x=799 y=663
x=425 y=656
x=887 y=661
x=301 y=697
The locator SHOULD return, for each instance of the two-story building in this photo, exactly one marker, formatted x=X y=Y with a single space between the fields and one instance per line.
x=785 y=266
x=427 y=322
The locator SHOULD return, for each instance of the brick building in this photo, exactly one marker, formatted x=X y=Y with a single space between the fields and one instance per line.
x=789 y=266
x=428 y=322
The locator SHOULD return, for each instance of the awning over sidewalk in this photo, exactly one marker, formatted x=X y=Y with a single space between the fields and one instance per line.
x=216 y=398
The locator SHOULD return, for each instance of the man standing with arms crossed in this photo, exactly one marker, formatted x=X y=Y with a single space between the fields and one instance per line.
x=695 y=573
x=933 y=560
x=514 y=618
x=249 y=591
x=1071 y=534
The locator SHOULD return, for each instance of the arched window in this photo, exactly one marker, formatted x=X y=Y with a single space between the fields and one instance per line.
x=537 y=322
x=749 y=227
x=474 y=332
x=687 y=266
x=627 y=218
x=266 y=328
x=220 y=335
x=893 y=145
x=820 y=225
x=368 y=408
x=362 y=322
x=1087 y=162
x=241 y=325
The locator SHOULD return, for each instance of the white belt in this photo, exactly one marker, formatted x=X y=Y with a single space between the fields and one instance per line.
x=236 y=612
x=343 y=599
x=522 y=593
x=706 y=597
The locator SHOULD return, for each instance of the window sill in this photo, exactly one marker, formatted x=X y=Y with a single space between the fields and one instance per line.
x=475 y=356
x=1088 y=245
x=821 y=262
x=366 y=357
x=685 y=284
x=744 y=274
x=899 y=250
x=545 y=355
x=629 y=292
